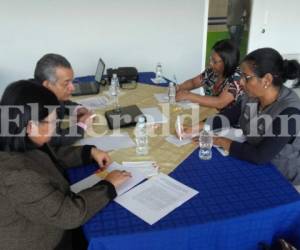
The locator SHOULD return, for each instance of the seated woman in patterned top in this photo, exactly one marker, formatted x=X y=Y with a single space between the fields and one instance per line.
x=221 y=80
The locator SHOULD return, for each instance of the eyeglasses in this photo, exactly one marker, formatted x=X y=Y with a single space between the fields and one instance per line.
x=246 y=78
x=212 y=61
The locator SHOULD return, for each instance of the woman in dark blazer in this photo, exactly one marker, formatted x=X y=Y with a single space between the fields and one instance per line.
x=37 y=209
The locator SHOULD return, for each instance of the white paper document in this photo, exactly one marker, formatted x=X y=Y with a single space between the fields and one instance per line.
x=155 y=198
x=109 y=142
x=95 y=102
x=136 y=177
x=85 y=183
x=148 y=168
x=154 y=115
x=175 y=141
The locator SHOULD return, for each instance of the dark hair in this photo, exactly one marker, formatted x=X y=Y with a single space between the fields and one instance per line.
x=230 y=55
x=17 y=106
x=268 y=60
x=46 y=67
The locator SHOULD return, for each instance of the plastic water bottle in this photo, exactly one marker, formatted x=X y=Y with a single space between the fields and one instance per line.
x=114 y=90
x=172 y=93
x=115 y=80
x=141 y=137
x=158 y=73
x=205 y=143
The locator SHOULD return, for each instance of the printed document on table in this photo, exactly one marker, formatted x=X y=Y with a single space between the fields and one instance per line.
x=95 y=102
x=155 y=198
x=154 y=115
x=109 y=142
x=136 y=178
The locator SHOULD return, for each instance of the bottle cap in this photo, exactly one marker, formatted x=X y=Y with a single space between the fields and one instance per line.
x=141 y=119
x=206 y=127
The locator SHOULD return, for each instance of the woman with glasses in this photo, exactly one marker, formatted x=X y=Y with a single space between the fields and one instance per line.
x=221 y=80
x=37 y=208
x=268 y=114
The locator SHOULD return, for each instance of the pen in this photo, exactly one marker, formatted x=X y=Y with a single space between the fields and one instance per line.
x=178 y=126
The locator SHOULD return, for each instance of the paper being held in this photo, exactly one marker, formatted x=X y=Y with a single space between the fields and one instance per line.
x=231 y=134
x=136 y=177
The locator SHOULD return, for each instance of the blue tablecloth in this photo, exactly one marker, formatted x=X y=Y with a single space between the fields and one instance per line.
x=144 y=77
x=239 y=205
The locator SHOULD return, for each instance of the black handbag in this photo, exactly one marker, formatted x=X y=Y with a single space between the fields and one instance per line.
x=125 y=74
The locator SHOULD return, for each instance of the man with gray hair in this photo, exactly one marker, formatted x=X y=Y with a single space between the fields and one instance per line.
x=55 y=72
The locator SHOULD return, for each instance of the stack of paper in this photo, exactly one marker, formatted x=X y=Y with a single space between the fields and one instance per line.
x=155 y=198
x=151 y=200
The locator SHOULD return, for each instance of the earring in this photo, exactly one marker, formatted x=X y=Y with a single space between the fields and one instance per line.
x=266 y=86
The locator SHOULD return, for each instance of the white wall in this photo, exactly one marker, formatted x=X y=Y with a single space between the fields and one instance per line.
x=280 y=19
x=124 y=33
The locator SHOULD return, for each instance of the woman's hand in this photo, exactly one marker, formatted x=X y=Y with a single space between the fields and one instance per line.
x=117 y=177
x=222 y=142
x=182 y=95
x=101 y=157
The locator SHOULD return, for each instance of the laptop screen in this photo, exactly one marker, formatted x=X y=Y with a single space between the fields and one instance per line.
x=99 y=70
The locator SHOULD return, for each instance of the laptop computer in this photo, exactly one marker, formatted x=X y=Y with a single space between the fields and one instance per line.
x=90 y=88
x=123 y=117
